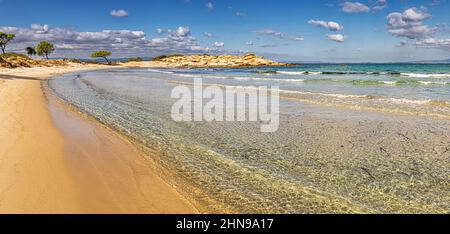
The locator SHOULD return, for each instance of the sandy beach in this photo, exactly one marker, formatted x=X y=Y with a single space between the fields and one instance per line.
x=210 y=108
x=55 y=161
x=100 y=140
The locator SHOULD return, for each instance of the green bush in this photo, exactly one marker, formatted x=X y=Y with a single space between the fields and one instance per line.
x=161 y=57
x=102 y=54
x=4 y=40
x=45 y=48
x=12 y=55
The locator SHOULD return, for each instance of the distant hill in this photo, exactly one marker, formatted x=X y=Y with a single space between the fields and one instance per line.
x=433 y=61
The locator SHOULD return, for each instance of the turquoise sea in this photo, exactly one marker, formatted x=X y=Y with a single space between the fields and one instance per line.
x=352 y=138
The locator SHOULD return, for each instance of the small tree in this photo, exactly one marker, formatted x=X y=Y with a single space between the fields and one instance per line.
x=102 y=54
x=30 y=51
x=45 y=48
x=5 y=39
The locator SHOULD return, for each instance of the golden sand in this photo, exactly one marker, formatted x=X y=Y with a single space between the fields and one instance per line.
x=58 y=162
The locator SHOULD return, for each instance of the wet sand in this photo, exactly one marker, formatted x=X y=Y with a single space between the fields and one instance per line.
x=58 y=162
x=53 y=160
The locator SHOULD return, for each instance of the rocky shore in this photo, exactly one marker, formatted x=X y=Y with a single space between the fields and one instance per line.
x=182 y=61
x=210 y=61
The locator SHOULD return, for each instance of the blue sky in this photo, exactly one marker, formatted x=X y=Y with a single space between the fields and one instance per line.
x=291 y=30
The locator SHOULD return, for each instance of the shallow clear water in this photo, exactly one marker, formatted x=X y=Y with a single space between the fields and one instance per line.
x=349 y=141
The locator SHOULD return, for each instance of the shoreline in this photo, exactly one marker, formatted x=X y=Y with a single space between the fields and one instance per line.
x=52 y=160
x=378 y=158
x=149 y=154
x=104 y=171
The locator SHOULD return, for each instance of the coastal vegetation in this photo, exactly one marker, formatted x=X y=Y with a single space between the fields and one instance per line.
x=12 y=55
x=162 y=57
x=4 y=40
x=14 y=60
x=45 y=48
x=102 y=54
x=30 y=51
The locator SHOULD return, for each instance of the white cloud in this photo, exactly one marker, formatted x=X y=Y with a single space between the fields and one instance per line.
x=240 y=14
x=402 y=43
x=270 y=32
x=336 y=37
x=435 y=3
x=119 y=13
x=183 y=31
x=40 y=29
x=66 y=47
x=333 y=26
x=278 y=45
x=432 y=42
x=277 y=34
x=210 y=5
x=409 y=24
x=219 y=44
x=354 y=7
x=208 y=35
x=250 y=43
x=70 y=42
x=413 y=14
x=380 y=5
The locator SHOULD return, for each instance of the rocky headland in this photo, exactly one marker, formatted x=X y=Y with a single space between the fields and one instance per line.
x=175 y=61
x=211 y=61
